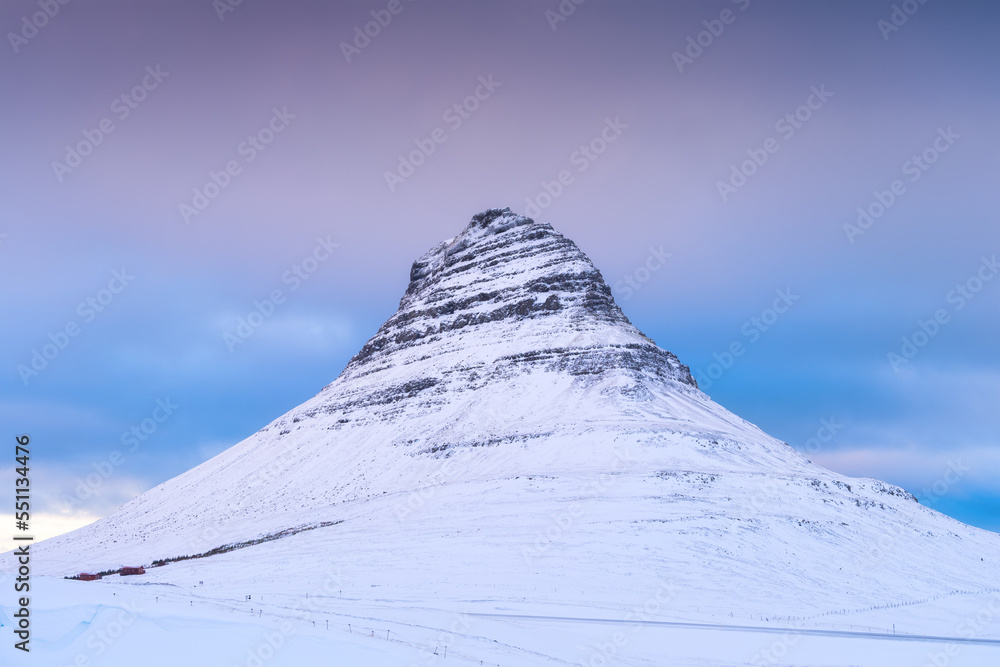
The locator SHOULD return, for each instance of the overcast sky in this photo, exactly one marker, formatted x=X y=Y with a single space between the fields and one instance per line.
x=165 y=165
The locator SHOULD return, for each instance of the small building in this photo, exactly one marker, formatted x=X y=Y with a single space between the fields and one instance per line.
x=86 y=576
x=132 y=570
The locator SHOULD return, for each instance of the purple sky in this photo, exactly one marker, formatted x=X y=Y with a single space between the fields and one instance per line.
x=645 y=145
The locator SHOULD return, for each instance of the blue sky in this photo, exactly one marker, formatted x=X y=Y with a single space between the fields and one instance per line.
x=868 y=100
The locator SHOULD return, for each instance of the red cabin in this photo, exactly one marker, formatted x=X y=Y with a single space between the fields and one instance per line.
x=86 y=576
x=133 y=570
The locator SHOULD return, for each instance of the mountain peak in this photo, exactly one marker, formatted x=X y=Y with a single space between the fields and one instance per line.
x=510 y=287
x=509 y=396
x=490 y=222
x=499 y=219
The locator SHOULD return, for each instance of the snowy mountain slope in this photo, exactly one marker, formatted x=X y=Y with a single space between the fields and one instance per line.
x=508 y=435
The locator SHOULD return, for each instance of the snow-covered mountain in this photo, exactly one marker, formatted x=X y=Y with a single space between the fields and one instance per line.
x=508 y=434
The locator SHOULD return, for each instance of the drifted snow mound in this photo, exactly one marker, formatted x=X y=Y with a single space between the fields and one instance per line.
x=508 y=427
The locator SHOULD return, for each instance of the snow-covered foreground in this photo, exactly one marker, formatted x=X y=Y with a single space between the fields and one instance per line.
x=495 y=582
x=124 y=623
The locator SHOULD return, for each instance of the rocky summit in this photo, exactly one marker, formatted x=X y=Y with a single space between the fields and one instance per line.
x=507 y=296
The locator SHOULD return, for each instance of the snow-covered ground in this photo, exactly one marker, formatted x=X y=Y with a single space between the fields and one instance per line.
x=119 y=623
x=463 y=566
